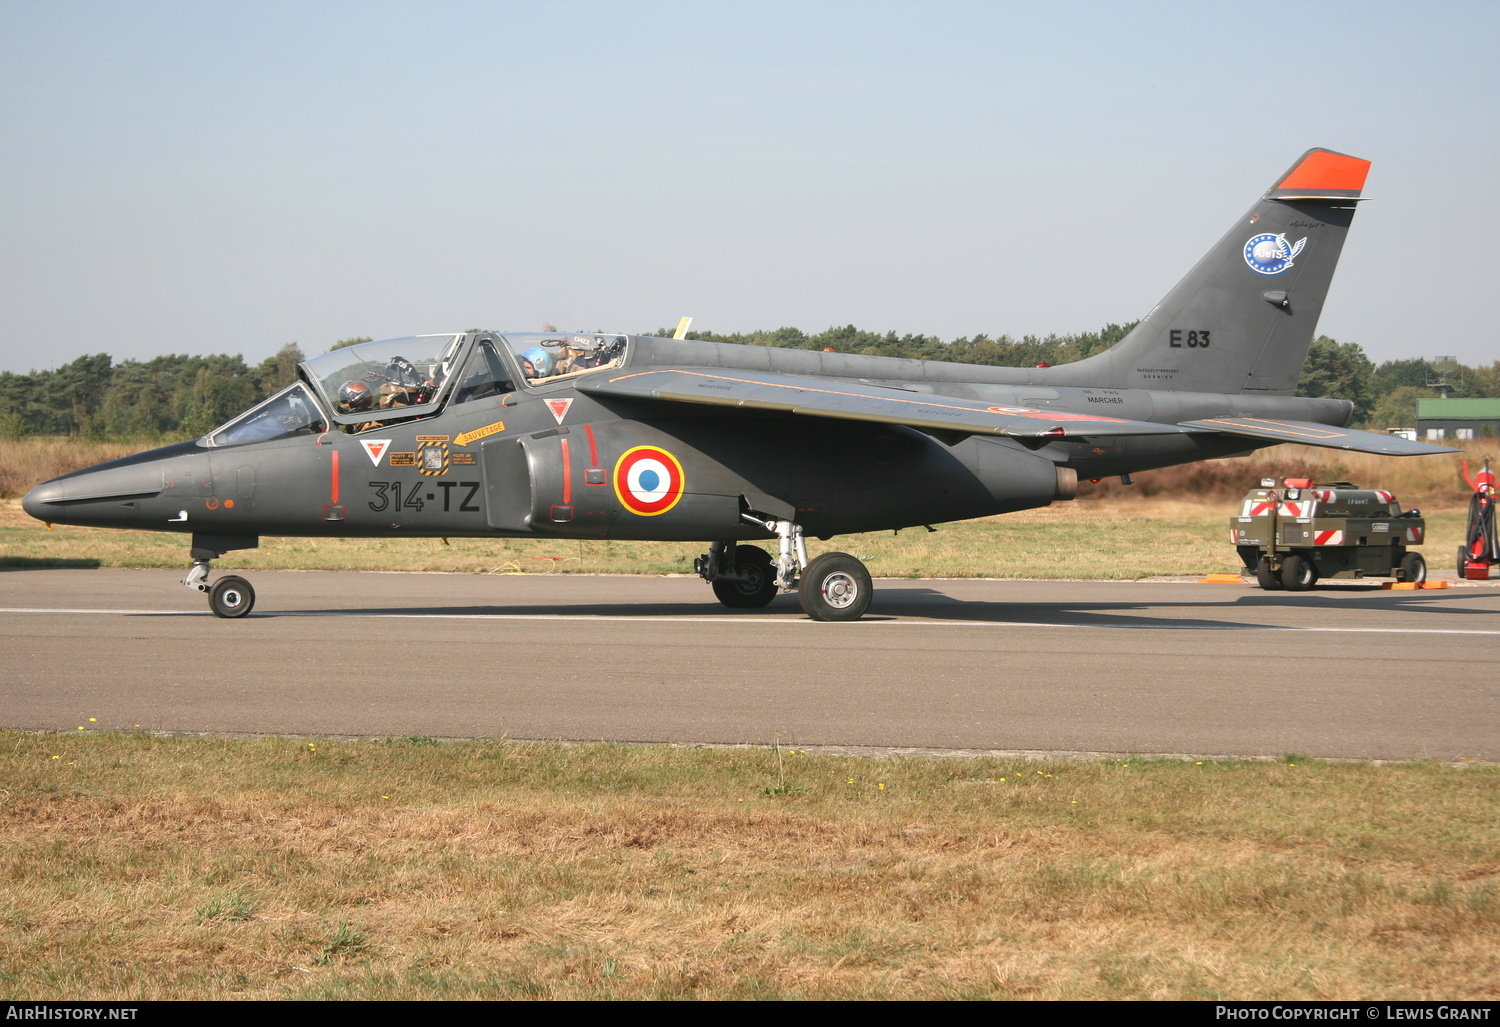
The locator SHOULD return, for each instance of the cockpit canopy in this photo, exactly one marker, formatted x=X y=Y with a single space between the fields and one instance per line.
x=371 y=383
x=548 y=356
x=292 y=411
x=407 y=375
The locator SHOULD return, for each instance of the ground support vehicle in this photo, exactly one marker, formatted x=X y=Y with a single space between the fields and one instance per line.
x=1292 y=534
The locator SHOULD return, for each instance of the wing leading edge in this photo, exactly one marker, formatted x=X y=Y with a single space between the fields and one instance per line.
x=1310 y=433
x=829 y=397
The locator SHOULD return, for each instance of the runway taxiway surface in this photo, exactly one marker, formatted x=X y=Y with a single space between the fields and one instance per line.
x=1344 y=671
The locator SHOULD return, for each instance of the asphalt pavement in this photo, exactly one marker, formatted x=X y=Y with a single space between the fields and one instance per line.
x=1347 y=670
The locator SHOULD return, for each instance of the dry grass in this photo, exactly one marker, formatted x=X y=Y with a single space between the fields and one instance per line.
x=147 y=868
x=25 y=462
x=1171 y=522
x=1422 y=481
x=1085 y=539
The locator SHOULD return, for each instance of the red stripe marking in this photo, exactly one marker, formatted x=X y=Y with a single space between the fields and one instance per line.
x=588 y=430
x=567 y=475
x=334 y=476
x=1328 y=171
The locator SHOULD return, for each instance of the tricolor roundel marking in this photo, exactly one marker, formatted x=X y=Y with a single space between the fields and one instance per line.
x=648 y=480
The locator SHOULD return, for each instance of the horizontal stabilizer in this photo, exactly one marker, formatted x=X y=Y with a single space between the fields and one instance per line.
x=831 y=397
x=1310 y=433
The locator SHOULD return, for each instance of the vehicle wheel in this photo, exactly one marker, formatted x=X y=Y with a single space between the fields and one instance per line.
x=835 y=586
x=1265 y=576
x=1413 y=569
x=231 y=597
x=1298 y=573
x=758 y=584
x=1463 y=561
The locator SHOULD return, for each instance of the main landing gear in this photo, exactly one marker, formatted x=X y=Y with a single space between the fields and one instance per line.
x=231 y=596
x=832 y=587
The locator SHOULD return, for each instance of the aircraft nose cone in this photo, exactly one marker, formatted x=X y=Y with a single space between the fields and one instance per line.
x=37 y=501
x=109 y=494
x=103 y=483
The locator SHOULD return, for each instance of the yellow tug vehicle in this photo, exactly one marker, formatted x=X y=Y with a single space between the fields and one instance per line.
x=1293 y=533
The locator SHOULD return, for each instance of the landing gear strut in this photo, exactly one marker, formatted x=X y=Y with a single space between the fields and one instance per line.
x=833 y=587
x=230 y=596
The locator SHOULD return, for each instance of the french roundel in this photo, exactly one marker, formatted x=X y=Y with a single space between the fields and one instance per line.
x=648 y=480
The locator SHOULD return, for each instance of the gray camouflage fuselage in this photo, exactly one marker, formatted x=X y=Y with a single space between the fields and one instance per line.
x=1211 y=368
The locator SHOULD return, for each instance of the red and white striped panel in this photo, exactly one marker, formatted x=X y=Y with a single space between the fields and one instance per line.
x=1384 y=496
x=1328 y=538
x=1291 y=509
x=1414 y=534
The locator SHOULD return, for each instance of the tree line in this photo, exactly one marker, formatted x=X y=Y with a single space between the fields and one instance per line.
x=1384 y=395
x=171 y=396
x=182 y=396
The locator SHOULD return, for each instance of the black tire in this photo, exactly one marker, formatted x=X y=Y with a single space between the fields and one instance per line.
x=231 y=597
x=1413 y=568
x=1265 y=576
x=759 y=585
x=835 y=587
x=1298 y=573
x=1463 y=561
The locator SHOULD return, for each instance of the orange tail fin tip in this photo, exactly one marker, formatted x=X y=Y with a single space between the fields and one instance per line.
x=1324 y=170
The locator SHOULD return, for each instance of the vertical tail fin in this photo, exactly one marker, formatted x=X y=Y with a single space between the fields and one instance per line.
x=1243 y=318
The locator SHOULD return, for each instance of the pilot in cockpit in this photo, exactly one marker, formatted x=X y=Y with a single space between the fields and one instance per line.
x=354 y=398
x=400 y=385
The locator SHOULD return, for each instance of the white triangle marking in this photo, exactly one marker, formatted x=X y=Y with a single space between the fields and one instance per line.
x=375 y=448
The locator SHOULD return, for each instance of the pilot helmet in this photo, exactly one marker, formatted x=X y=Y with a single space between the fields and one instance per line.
x=540 y=360
x=355 y=396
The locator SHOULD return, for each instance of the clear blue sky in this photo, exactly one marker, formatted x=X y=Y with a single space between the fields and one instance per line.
x=214 y=177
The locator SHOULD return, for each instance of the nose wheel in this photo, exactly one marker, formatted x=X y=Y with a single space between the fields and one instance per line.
x=231 y=596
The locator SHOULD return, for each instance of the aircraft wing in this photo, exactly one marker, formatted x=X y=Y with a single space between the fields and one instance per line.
x=854 y=401
x=1310 y=433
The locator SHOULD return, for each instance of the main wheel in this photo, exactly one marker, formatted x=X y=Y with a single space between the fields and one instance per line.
x=1413 y=569
x=835 y=586
x=1265 y=576
x=1298 y=573
x=757 y=580
x=231 y=597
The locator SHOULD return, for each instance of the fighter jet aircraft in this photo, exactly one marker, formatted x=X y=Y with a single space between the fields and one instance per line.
x=590 y=435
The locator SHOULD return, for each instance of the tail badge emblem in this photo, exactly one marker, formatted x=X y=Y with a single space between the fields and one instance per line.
x=1271 y=254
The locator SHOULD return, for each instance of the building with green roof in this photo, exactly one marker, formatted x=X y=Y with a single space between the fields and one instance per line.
x=1457 y=419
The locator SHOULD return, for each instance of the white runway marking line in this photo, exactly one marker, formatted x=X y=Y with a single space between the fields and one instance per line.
x=866 y=624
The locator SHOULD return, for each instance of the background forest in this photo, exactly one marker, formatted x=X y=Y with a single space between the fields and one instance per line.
x=180 y=396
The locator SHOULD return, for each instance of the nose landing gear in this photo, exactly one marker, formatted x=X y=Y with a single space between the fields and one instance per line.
x=231 y=596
